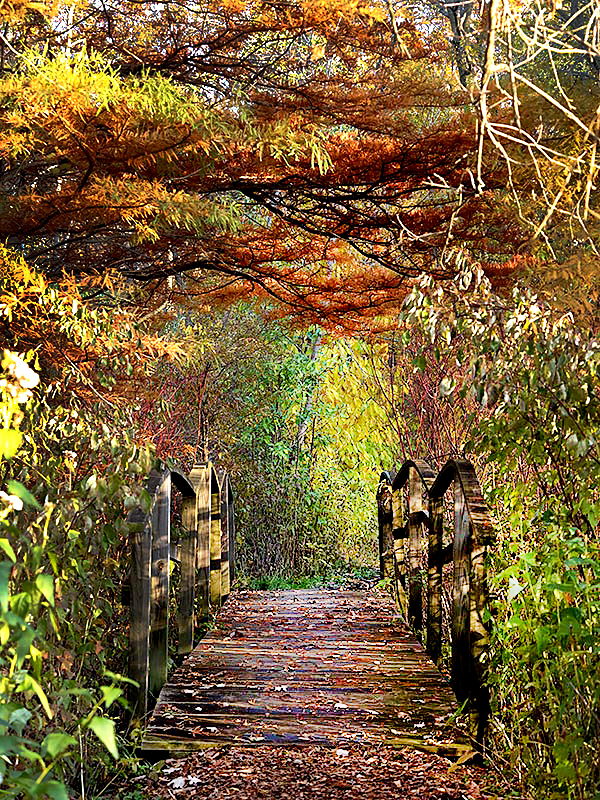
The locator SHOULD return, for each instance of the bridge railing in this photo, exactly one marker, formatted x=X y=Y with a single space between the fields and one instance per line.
x=406 y=524
x=204 y=549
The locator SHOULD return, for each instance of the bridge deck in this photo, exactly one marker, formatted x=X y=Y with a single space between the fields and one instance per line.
x=323 y=667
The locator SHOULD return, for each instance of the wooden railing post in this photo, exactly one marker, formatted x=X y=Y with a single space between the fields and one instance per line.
x=231 y=529
x=204 y=554
x=215 y=541
x=479 y=640
x=399 y=550
x=225 y=571
x=415 y=532
x=434 y=578
x=461 y=671
x=139 y=628
x=187 y=601
x=159 y=604
x=473 y=532
x=384 y=517
x=144 y=529
x=200 y=478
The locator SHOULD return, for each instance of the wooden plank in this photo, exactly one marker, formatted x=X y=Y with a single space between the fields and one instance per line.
x=474 y=533
x=434 y=579
x=479 y=641
x=384 y=517
x=187 y=600
x=215 y=541
x=200 y=479
x=305 y=667
x=140 y=526
x=224 y=520
x=159 y=603
x=231 y=529
x=139 y=627
x=399 y=552
x=415 y=536
x=461 y=657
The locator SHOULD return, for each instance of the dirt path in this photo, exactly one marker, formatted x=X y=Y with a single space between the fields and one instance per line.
x=312 y=773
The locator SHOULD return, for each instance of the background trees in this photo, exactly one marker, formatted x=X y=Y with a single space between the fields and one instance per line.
x=175 y=181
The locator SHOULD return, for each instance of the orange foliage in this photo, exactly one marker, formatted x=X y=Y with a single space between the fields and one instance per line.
x=70 y=329
x=317 y=152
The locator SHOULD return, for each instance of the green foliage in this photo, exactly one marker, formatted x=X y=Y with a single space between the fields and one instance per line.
x=63 y=537
x=547 y=659
x=284 y=516
x=535 y=376
x=289 y=415
x=311 y=449
x=331 y=580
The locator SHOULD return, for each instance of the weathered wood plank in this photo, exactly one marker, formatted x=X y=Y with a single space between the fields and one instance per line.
x=305 y=667
x=415 y=535
x=461 y=657
x=399 y=551
x=215 y=542
x=384 y=515
x=434 y=579
x=187 y=600
x=200 y=479
x=139 y=626
x=224 y=520
x=231 y=529
x=479 y=640
x=141 y=532
x=159 y=603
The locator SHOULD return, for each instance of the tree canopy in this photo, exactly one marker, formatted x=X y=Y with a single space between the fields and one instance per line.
x=321 y=153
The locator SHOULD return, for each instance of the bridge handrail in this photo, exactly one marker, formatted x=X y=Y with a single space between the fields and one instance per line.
x=205 y=552
x=473 y=534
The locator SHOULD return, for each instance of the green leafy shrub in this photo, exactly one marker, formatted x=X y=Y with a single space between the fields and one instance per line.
x=63 y=538
x=535 y=375
x=546 y=671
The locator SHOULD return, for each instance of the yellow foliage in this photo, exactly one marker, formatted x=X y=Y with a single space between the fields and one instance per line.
x=15 y=10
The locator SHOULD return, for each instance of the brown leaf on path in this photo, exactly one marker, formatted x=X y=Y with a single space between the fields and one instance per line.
x=314 y=773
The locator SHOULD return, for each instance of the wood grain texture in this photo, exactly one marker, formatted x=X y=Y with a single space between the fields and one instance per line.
x=434 y=579
x=187 y=601
x=141 y=534
x=160 y=578
x=384 y=518
x=473 y=534
x=301 y=668
x=461 y=651
x=415 y=536
x=200 y=478
x=224 y=520
x=139 y=626
x=215 y=542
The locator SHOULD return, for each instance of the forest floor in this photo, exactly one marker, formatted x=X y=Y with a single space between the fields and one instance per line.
x=313 y=773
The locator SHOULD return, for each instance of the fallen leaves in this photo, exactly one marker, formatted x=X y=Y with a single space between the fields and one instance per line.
x=310 y=773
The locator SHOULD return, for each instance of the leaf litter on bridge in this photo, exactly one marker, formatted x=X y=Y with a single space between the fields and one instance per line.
x=311 y=773
x=306 y=667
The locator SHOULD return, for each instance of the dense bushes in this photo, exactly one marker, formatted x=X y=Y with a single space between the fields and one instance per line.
x=69 y=471
x=63 y=636
x=535 y=376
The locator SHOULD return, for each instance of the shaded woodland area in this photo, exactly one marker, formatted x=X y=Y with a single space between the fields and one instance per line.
x=303 y=240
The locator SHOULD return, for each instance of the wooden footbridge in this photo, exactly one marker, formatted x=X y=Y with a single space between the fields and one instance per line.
x=327 y=667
